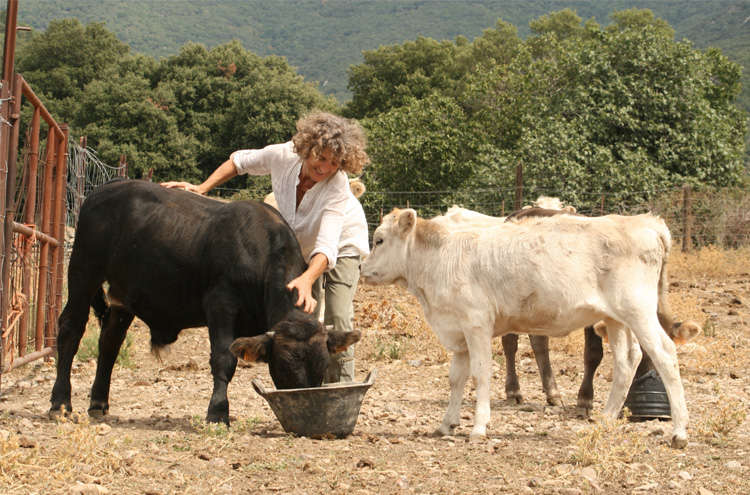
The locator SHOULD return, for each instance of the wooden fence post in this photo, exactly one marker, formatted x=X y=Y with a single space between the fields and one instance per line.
x=123 y=172
x=687 y=220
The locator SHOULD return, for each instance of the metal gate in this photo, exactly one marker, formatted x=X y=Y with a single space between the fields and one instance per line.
x=32 y=209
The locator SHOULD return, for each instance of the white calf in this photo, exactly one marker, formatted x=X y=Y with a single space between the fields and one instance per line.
x=543 y=276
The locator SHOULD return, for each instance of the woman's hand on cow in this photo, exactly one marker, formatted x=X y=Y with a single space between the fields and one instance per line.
x=305 y=301
x=187 y=186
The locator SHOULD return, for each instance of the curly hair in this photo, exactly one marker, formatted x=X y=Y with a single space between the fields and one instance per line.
x=345 y=138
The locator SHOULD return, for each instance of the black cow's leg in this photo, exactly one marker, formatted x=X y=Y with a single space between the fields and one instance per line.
x=540 y=346
x=114 y=328
x=223 y=363
x=512 y=388
x=592 y=356
x=71 y=325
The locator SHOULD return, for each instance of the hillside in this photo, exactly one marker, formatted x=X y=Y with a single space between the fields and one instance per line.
x=322 y=38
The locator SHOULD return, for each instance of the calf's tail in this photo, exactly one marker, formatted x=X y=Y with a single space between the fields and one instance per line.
x=680 y=332
x=663 y=311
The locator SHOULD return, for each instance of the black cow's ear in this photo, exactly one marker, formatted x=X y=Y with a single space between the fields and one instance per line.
x=338 y=341
x=252 y=349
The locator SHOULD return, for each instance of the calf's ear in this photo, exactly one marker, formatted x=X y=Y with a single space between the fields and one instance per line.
x=406 y=220
x=338 y=341
x=252 y=349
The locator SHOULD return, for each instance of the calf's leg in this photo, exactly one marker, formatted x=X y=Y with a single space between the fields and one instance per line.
x=540 y=346
x=115 y=325
x=457 y=377
x=512 y=387
x=663 y=354
x=480 y=357
x=626 y=354
x=592 y=357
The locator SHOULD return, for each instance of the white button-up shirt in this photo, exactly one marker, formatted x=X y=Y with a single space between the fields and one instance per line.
x=329 y=219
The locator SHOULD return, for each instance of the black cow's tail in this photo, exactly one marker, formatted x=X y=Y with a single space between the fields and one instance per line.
x=100 y=306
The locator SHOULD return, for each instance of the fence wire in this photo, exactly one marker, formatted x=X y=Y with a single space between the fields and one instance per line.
x=85 y=172
x=717 y=216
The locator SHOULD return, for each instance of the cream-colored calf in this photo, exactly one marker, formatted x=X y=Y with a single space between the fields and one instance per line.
x=543 y=276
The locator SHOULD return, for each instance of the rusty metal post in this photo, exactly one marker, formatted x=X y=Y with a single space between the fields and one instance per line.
x=58 y=229
x=28 y=219
x=4 y=248
x=9 y=55
x=519 y=187
x=44 y=261
x=687 y=220
x=9 y=207
x=8 y=64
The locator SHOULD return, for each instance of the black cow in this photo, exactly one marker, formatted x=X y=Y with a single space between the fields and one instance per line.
x=179 y=260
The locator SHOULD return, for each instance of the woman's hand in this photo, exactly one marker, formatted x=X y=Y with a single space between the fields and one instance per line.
x=305 y=301
x=187 y=186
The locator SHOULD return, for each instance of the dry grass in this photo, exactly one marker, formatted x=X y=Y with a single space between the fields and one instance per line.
x=709 y=262
x=724 y=416
x=610 y=445
x=79 y=453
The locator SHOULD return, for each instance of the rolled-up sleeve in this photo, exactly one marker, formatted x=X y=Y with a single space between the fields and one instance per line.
x=258 y=162
x=331 y=225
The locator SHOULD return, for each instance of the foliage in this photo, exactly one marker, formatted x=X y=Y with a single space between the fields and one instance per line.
x=422 y=146
x=180 y=116
x=625 y=110
x=323 y=38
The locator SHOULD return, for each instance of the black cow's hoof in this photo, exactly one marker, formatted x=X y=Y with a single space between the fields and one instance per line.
x=98 y=410
x=57 y=412
x=217 y=418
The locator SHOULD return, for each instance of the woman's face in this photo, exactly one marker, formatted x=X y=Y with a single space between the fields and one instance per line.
x=321 y=167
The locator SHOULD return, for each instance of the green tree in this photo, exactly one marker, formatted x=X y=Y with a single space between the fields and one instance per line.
x=425 y=145
x=121 y=116
x=392 y=75
x=626 y=110
x=59 y=62
x=228 y=98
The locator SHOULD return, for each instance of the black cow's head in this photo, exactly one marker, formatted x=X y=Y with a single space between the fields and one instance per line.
x=297 y=350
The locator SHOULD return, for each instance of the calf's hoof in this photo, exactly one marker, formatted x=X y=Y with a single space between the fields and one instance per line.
x=444 y=430
x=679 y=442
x=475 y=437
x=583 y=412
x=514 y=397
x=554 y=400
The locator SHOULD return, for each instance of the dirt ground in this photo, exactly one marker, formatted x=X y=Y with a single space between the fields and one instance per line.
x=155 y=440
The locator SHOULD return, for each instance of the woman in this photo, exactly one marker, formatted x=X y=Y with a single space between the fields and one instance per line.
x=309 y=181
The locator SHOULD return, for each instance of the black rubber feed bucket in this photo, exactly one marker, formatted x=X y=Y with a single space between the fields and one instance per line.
x=647 y=398
x=318 y=412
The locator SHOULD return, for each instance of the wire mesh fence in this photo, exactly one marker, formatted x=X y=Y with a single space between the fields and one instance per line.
x=717 y=216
